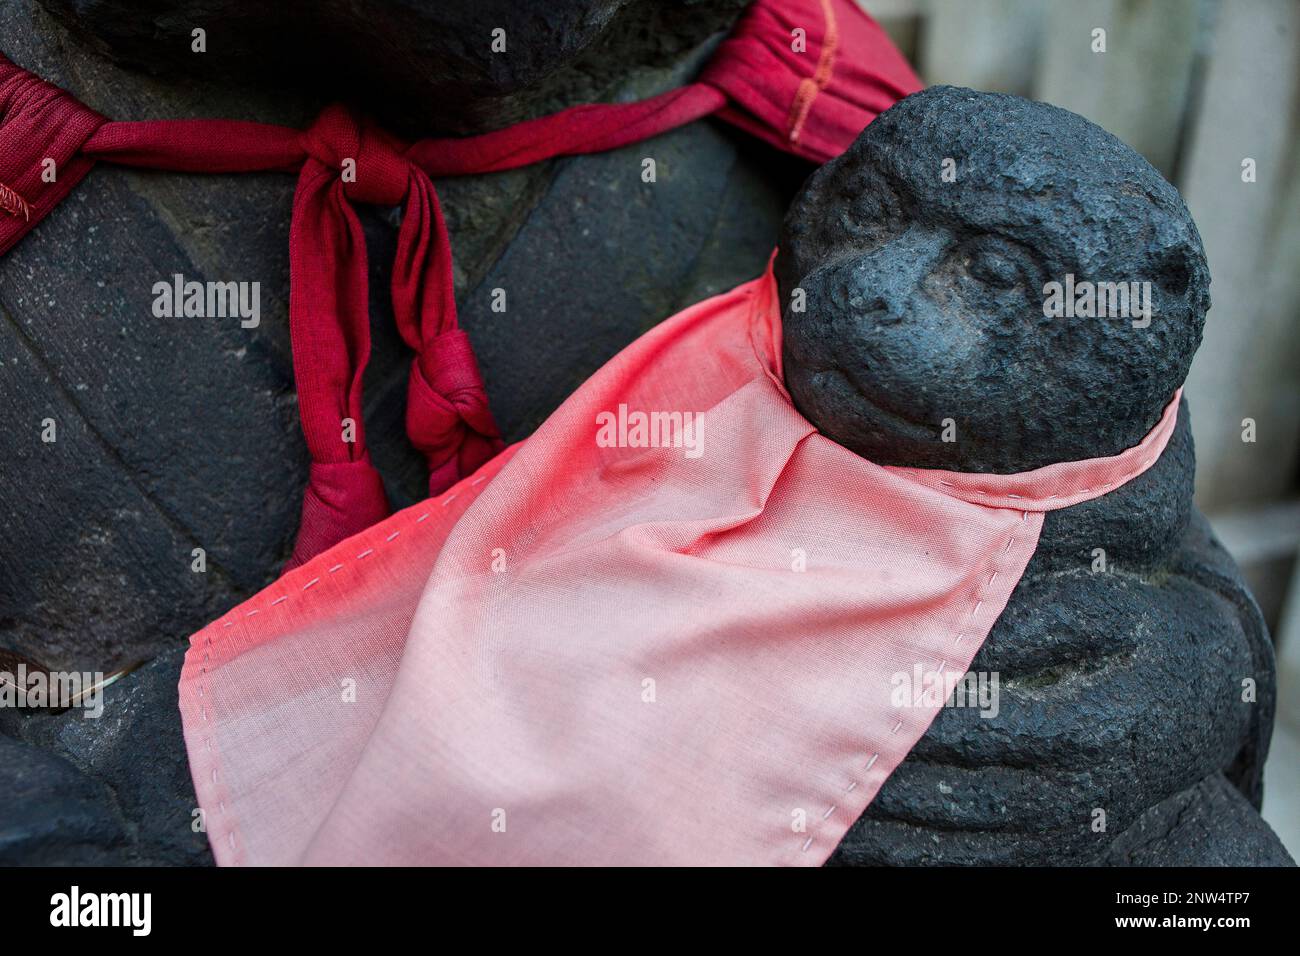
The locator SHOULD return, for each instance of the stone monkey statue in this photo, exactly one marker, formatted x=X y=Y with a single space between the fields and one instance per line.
x=1136 y=674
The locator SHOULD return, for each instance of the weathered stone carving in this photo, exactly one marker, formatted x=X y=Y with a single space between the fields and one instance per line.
x=1122 y=688
x=423 y=67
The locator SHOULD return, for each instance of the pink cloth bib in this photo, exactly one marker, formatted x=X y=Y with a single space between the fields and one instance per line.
x=662 y=630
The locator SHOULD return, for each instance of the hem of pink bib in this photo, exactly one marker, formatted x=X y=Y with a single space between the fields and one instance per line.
x=236 y=632
x=1061 y=485
x=867 y=773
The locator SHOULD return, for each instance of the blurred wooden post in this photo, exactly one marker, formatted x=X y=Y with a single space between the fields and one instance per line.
x=1248 y=366
x=900 y=19
x=983 y=44
x=1138 y=89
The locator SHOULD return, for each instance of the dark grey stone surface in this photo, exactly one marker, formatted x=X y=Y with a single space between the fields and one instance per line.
x=114 y=788
x=1211 y=824
x=53 y=814
x=427 y=66
x=1118 y=690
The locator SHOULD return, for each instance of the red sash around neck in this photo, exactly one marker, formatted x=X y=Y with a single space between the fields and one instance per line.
x=804 y=75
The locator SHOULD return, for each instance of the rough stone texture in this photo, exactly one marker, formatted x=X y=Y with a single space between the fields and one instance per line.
x=53 y=814
x=421 y=65
x=111 y=789
x=1211 y=824
x=176 y=434
x=925 y=297
x=1119 y=688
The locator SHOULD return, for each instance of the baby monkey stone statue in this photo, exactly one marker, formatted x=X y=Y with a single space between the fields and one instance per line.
x=982 y=283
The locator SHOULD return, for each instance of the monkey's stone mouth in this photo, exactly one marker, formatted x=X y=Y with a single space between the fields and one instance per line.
x=875 y=413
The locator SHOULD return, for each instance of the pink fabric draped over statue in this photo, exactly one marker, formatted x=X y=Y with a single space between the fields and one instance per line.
x=617 y=645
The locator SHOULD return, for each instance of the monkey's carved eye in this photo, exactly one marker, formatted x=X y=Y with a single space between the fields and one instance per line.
x=995 y=262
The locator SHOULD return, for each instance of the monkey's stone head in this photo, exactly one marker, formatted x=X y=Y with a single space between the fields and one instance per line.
x=916 y=269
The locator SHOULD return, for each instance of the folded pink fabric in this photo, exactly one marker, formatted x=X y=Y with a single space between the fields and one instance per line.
x=628 y=640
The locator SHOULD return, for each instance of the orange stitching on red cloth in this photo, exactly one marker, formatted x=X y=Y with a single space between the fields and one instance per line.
x=13 y=203
x=809 y=87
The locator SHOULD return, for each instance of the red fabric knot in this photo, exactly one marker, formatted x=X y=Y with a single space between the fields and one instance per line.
x=447 y=413
x=371 y=163
x=351 y=160
x=342 y=499
x=348 y=160
x=42 y=130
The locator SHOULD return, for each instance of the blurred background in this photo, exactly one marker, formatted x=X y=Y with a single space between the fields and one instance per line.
x=1199 y=87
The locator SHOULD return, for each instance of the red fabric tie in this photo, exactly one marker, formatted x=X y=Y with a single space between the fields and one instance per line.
x=798 y=98
x=350 y=160
x=40 y=125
